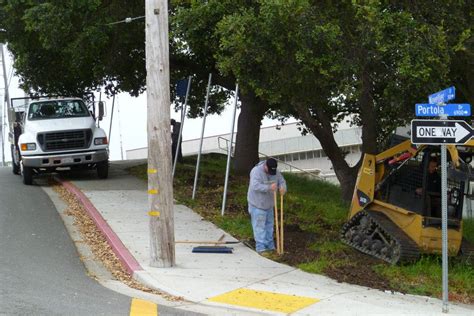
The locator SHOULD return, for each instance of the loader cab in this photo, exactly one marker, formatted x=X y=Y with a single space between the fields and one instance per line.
x=415 y=185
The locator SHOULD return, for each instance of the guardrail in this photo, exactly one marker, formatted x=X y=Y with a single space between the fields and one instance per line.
x=292 y=169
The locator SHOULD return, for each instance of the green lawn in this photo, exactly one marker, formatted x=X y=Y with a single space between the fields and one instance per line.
x=314 y=215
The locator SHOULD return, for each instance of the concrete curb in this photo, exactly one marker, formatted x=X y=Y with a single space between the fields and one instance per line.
x=128 y=261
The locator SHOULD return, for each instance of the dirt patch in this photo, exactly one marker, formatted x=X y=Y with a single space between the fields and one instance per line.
x=352 y=267
x=99 y=245
x=358 y=270
x=297 y=246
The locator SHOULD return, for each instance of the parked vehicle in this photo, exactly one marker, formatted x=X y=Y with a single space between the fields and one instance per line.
x=50 y=133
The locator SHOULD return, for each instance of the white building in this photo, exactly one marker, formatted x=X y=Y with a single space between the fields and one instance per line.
x=284 y=142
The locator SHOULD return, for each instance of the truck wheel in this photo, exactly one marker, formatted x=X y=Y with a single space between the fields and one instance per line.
x=27 y=175
x=103 y=169
x=15 y=166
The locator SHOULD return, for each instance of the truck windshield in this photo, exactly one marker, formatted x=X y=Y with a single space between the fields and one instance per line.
x=57 y=109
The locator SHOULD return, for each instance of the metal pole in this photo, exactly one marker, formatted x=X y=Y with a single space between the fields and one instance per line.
x=229 y=150
x=111 y=118
x=183 y=115
x=3 y=134
x=120 y=130
x=6 y=100
x=444 y=225
x=100 y=100
x=202 y=136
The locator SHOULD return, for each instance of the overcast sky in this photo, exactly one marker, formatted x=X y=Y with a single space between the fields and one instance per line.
x=129 y=121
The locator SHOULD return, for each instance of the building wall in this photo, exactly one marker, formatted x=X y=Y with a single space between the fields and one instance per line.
x=284 y=142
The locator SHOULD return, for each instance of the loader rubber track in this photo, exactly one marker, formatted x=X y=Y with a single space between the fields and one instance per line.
x=373 y=233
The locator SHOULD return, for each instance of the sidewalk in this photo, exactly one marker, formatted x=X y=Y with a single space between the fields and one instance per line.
x=242 y=282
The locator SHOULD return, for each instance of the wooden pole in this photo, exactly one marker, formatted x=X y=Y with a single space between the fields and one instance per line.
x=160 y=185
x=282 y=247
x=207 y=242
x=277 y=227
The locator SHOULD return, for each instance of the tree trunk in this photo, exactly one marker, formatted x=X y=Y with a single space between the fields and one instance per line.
x=368 y=116
x=320 y=126
x=248 y=133
x=347 y=179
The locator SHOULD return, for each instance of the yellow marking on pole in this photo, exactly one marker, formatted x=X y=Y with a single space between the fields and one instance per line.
x=143 y=308
x=265 y=300
x=152 y=171
x=153 y=191
x=154 y=213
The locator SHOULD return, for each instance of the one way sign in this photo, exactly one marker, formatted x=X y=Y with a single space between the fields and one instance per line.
x=440 y=132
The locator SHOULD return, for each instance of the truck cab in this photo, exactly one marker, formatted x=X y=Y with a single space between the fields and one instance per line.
x=51 y=133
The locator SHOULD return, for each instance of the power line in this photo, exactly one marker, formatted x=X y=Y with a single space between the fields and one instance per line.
x=127 y=20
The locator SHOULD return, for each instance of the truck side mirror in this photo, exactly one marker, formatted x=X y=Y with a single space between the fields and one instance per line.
x=101 y=110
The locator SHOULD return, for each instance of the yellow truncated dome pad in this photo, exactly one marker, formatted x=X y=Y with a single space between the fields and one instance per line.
x=265 y=300
x=143 y=308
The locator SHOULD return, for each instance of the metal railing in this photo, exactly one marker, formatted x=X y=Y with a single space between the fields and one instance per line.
x=292 y=168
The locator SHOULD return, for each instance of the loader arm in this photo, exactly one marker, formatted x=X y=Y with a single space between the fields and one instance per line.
x=372 y=173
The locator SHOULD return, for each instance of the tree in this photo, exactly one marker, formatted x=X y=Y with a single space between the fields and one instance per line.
x=331 y=61
x=454 y=18
x=72 y=47
x=195 y=29
x=69 y=47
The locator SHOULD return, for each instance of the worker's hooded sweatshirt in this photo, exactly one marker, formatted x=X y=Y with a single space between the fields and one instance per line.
x=260 y=194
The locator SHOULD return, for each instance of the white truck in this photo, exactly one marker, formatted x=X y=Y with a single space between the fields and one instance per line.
x=47 y=134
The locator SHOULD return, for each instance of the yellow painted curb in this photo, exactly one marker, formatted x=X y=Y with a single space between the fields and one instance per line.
x=143 y=308
x=265 y=300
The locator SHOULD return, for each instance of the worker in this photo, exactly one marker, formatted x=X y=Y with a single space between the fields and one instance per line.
x=433 y=188
x=265 y=180
x=175 y=147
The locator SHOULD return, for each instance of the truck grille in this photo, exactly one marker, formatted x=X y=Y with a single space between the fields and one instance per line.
x=65 y=140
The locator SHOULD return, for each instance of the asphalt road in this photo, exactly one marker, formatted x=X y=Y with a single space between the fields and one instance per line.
x=40 y=269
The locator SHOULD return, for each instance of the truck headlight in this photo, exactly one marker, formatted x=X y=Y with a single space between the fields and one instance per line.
x=28 y=146
x=100 y=141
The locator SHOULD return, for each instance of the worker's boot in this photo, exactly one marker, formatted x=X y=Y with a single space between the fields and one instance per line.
x=269 y=254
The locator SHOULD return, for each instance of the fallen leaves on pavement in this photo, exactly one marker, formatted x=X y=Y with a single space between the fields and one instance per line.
x=98 y=244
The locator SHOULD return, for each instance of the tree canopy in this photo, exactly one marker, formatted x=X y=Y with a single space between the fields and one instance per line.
x=336 y=58
x=70 y=46
x=325 y=61
x=318 y=61
x=76 y=46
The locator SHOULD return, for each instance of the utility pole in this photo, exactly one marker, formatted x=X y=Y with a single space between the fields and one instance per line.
x=160 y=183
x=6 y=101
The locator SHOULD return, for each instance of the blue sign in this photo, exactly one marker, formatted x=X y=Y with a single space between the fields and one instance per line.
x=450 y=109
x=181 y=88
x=442 y=96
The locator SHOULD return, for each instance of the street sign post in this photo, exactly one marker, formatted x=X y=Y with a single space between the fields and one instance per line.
x=442 y=96
x=444 y=225
x=450 y=109
x=440 y=132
